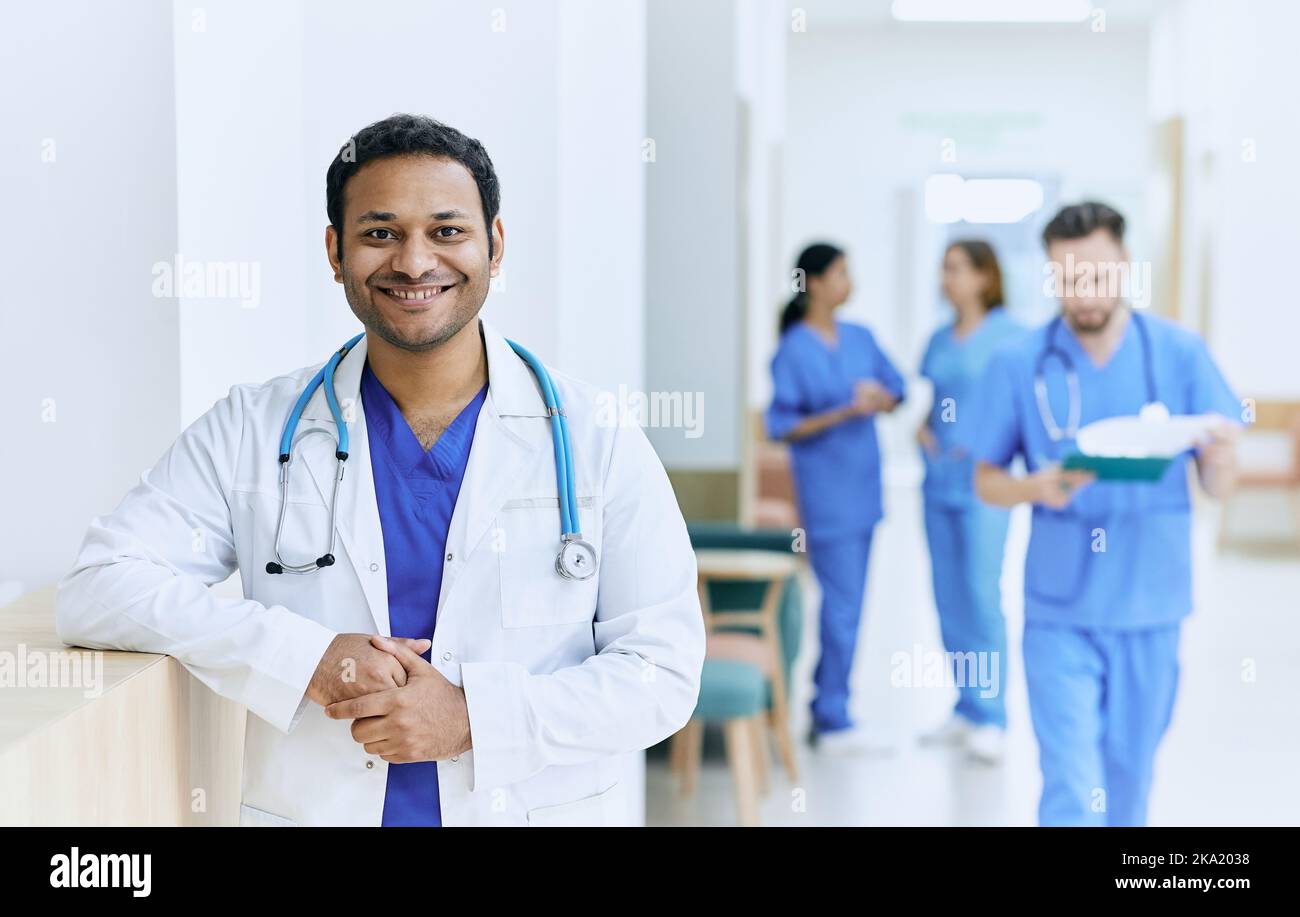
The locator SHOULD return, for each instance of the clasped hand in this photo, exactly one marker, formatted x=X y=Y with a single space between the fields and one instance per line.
x=870 y=397
x=403 y=709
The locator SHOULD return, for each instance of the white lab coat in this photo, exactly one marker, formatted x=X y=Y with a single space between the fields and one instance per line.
x=562 y=677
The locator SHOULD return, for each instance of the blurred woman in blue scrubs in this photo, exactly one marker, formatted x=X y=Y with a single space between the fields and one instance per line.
x=966 y=536
x=829 y=380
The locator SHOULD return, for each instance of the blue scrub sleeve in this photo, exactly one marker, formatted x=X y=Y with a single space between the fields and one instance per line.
x=1208 y=391
x=886 y=373
x=993 y=433
x=787 y=407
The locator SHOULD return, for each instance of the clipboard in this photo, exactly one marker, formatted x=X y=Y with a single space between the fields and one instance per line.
x=1119 y=468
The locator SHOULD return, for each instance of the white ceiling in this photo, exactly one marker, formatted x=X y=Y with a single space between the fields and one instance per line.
x=873 y=13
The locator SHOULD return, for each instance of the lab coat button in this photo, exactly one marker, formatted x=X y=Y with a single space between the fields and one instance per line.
x=370 y=765
x=374 y=567
x=455 y=758
x=450 y=556
x=446 y=657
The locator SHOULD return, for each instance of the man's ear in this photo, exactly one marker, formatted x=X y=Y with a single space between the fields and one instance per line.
x=498 y=246
x=331 y=252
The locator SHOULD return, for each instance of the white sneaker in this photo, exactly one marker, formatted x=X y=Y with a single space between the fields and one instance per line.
x=853 y=741
x=953 y=732
x=985 y=743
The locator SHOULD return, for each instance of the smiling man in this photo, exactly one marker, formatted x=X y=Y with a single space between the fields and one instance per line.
x=451 y=658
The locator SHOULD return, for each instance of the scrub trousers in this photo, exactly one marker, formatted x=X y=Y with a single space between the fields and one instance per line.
x=840 y=565
x=1100 y=700
x=966 y=545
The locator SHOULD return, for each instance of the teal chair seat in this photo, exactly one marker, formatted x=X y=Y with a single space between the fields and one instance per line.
x=730 y=690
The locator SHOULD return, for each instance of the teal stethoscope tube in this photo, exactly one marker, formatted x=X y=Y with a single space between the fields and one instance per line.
x=559 y=438
x=577 y=558
x=1050 y=349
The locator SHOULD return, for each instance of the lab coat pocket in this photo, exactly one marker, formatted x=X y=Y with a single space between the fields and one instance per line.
x=250 y=817
x=533 y=593
x=306 y=536
x=305 y=531
x=590 y=811
x=1057 y=560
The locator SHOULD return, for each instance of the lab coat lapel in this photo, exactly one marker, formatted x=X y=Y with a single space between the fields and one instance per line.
x=357 y=519
x=504 y=447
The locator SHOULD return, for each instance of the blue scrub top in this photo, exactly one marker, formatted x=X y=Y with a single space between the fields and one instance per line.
x=1119 y=555
x=416 y=492
x=955 y=367
x=837 y=471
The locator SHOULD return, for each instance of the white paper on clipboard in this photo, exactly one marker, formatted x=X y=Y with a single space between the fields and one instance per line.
x=1137 y=437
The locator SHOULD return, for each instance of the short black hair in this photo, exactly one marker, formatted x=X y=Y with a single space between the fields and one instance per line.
x=410 y=135
x=1079 y=220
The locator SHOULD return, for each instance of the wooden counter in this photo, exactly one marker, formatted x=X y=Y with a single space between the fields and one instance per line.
x=91 y=737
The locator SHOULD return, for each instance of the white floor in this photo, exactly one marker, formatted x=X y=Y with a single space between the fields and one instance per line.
x=1232 y=755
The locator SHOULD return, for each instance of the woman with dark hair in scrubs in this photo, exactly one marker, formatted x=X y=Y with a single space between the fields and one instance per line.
x=966 y=536
x=829 y=380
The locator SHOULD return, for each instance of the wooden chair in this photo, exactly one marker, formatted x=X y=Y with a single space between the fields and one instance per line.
x=744 y=682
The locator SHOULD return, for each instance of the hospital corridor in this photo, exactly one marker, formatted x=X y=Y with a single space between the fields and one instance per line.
x=656 y=416
x=1225 y=726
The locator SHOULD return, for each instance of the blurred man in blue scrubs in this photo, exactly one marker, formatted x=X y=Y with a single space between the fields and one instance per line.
x=1108 y=572
x=829 y=380
x=965 y=535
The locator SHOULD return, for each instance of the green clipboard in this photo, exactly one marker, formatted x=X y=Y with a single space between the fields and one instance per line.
x=1116 y=468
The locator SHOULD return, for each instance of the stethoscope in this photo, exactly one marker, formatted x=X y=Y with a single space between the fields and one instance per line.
x=577 y=558
x=1152 y=409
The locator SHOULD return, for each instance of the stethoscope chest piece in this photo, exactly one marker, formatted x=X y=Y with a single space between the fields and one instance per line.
x=576 y=560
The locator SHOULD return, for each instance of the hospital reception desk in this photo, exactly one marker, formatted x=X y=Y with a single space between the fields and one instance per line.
x=108 y=738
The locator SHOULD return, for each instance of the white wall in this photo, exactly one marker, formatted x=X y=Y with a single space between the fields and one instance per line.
x=89 y=378
x=554 y=90
x=601 y=191
x=240 y=114
x=1231 y=72
x=761 y=82
x=694 y=323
